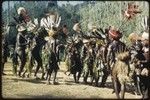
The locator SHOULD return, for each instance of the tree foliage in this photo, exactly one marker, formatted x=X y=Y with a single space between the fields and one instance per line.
x=102 y=13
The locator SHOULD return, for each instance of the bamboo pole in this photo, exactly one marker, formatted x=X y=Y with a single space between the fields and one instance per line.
x=120 y=12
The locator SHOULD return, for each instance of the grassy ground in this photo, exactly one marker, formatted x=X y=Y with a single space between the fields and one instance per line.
x=15 y=87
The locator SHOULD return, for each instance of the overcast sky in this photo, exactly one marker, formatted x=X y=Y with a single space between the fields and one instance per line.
x=71 y=2
x=5 y=3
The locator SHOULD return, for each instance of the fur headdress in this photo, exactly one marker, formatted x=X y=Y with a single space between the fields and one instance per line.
x=133 y=37
x=20 y=9
x=114 y=33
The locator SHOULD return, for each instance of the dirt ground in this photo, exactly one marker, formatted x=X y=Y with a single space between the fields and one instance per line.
x=15 y=87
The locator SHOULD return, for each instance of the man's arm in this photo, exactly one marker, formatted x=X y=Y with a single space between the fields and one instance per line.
x=108 y=56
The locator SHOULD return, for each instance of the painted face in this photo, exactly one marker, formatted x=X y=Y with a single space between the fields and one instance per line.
x=65 y=30
x=110 y=38
x=23 y=12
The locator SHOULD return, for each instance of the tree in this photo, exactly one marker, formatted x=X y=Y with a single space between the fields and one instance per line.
x=102 y=13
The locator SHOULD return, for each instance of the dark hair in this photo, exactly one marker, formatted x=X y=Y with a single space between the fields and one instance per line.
x=64 y=26
x=42 y=32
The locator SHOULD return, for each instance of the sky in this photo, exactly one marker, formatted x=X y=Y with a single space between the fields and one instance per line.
x=5 y=4
x=71 y=2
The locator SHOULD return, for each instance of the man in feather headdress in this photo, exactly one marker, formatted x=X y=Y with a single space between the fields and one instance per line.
x=77 y=35
x=114 y=47
x=25 y=20
x=51 y=22
x=25 y=31
x=88 y=58
x=63 y=37
x=21 y=43
x=145 y=72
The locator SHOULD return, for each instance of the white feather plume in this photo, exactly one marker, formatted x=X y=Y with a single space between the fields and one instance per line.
x=36 y=21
